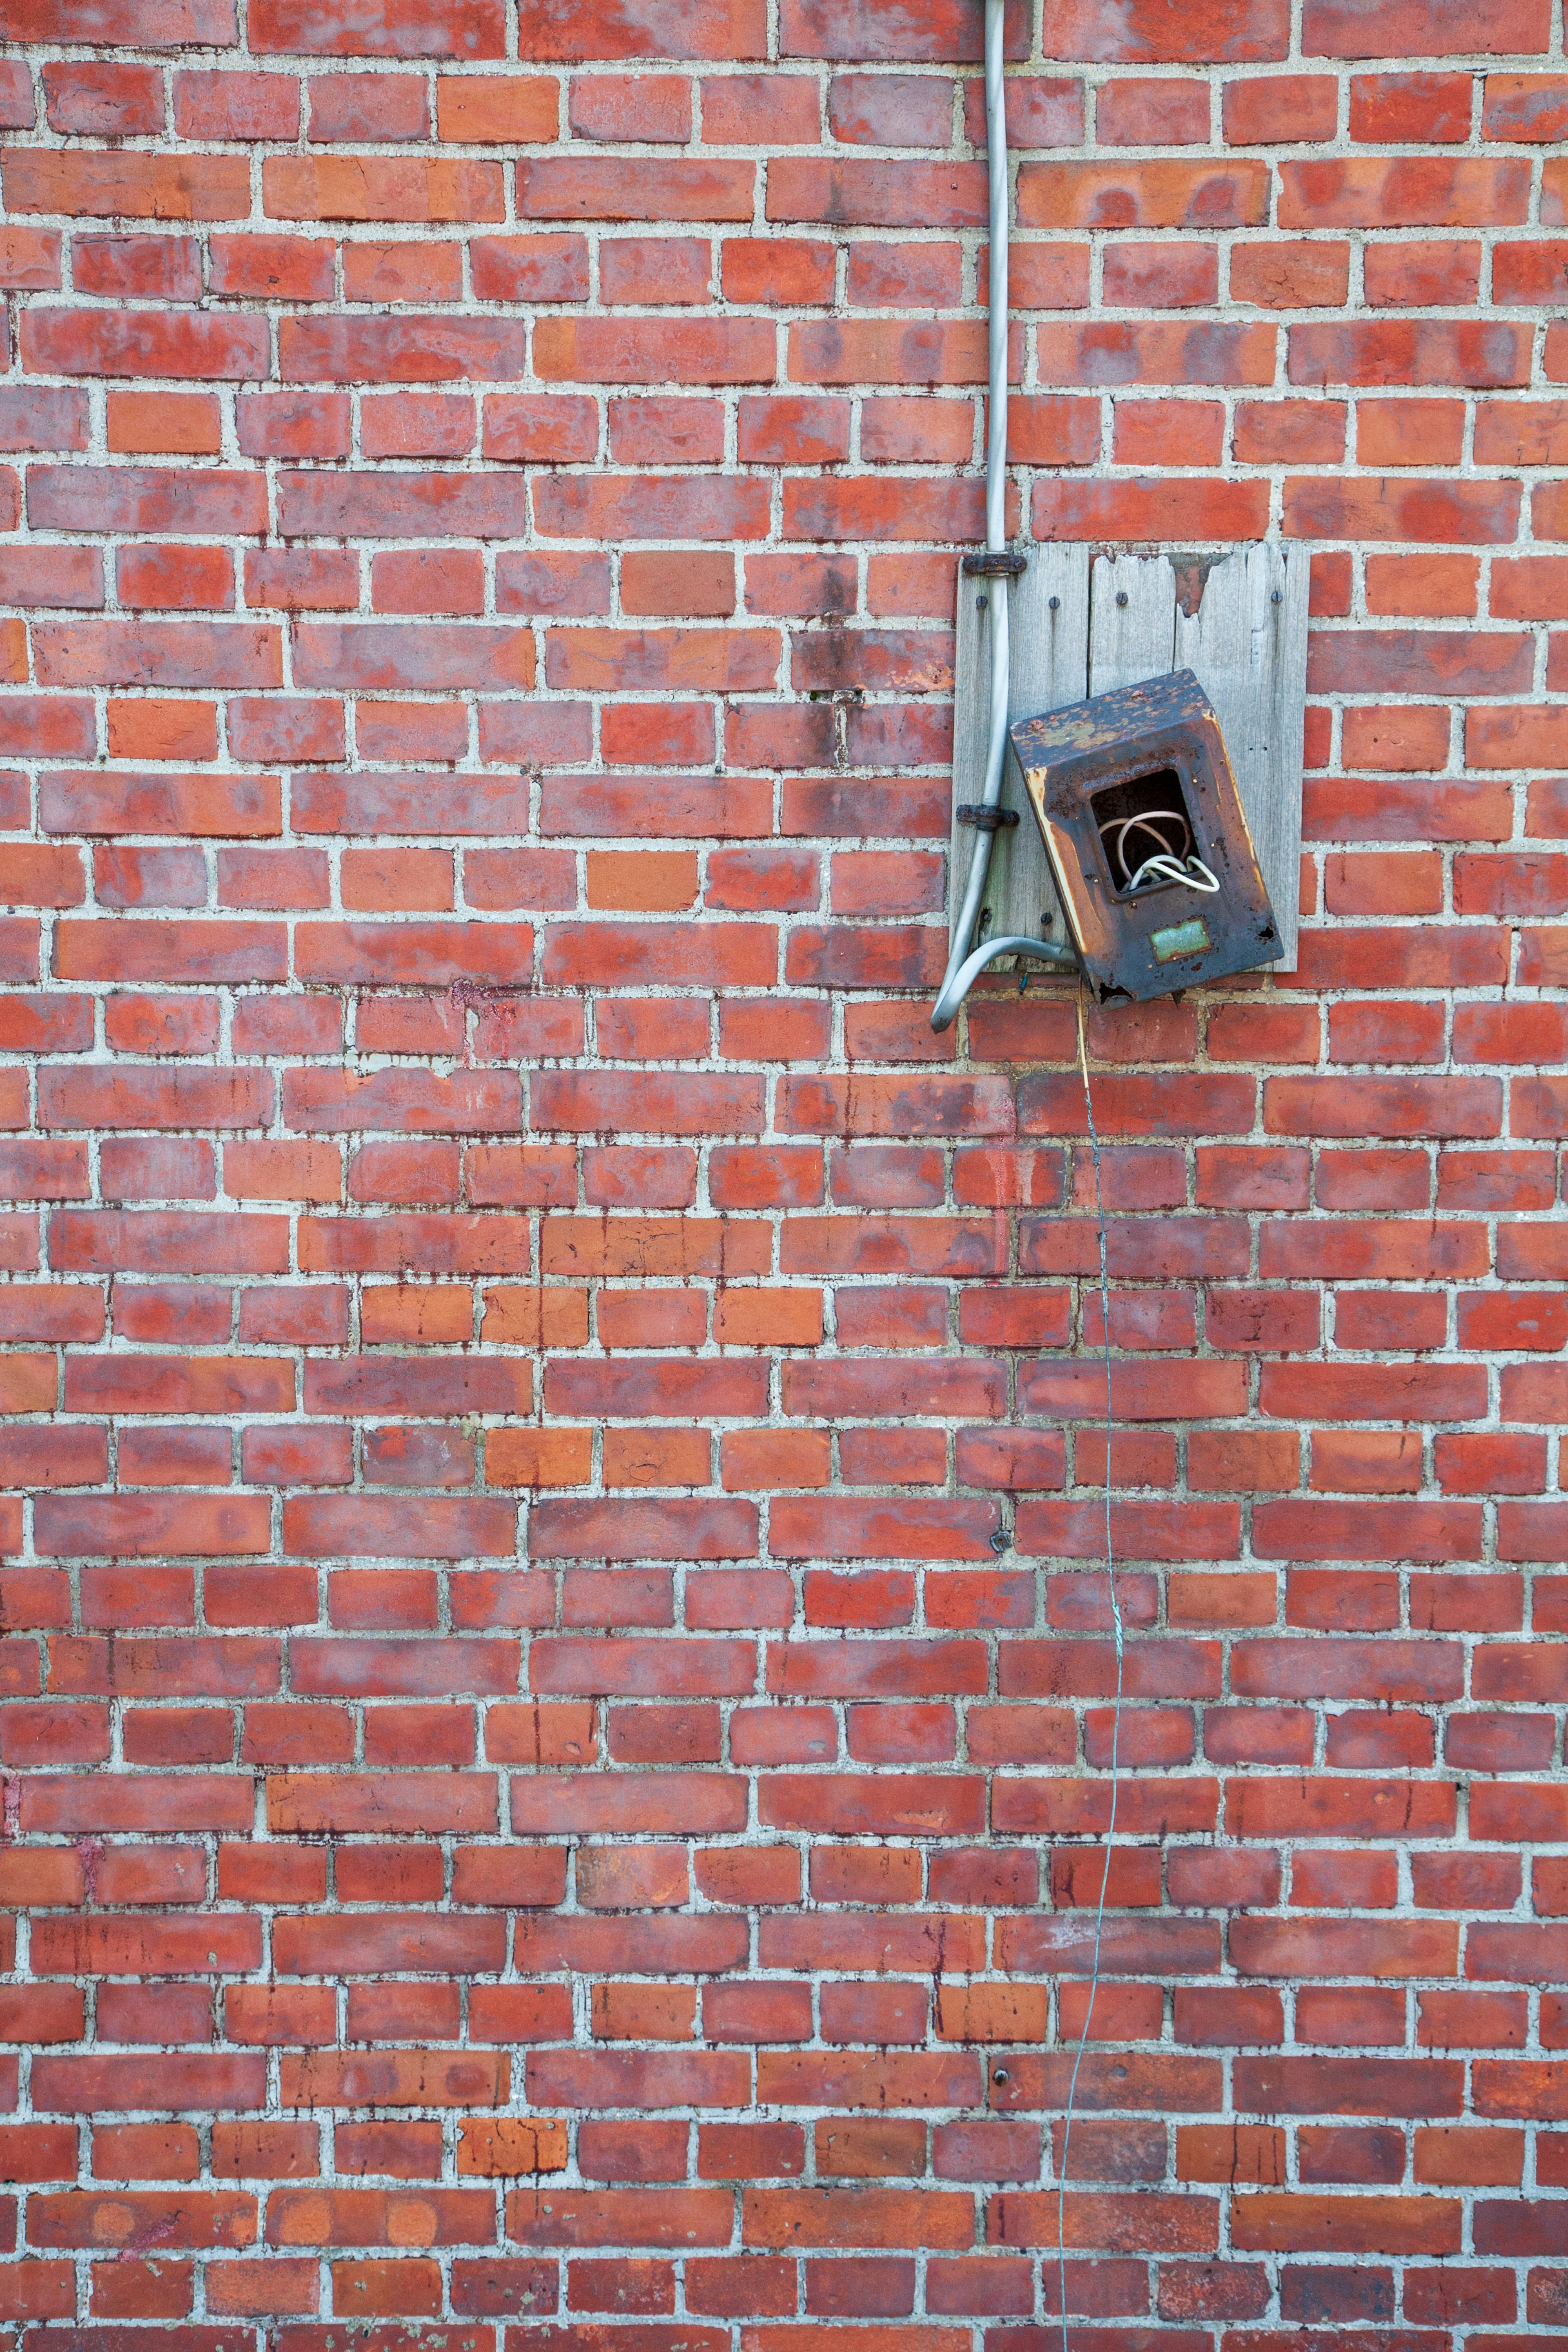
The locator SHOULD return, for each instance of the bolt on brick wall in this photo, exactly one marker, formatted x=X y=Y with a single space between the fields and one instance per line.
x=557 y=1669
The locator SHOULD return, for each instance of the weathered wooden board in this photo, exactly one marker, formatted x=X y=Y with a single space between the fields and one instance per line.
x=1131 y=620
x=1117 y=621
x=1048 y=641
x=1247 y=643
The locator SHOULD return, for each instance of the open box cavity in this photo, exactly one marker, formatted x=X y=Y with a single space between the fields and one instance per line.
x=1148 y=844
x=1142 y=818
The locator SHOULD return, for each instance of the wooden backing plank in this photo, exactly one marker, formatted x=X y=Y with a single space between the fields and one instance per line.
x=970 y=714
x=1048 y=666
x=1285 y=750
x=1132 y=641
x=1250 y=655
x=1238 y=644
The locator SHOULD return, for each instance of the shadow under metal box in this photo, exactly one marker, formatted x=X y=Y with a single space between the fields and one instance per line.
x=1130 y=788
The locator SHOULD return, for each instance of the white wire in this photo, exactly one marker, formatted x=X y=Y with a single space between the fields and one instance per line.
x=1192 y=874
x=1148 y=823
x=1116 y=1705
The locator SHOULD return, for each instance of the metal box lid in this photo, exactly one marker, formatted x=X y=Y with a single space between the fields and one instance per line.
x=1133 y=776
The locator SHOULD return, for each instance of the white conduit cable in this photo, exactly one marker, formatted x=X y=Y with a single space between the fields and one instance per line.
x=958 y=983
x=964 y=968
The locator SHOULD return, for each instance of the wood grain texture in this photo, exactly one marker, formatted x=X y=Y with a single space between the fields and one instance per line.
x=1249 y=655
x=1248 y=651
x=1130 y=641
x=1050 y=666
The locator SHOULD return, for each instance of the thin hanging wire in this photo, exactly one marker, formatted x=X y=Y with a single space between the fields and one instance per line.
x=1116 y=1707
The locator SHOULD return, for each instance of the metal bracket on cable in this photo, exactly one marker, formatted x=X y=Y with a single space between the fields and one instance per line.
x=983 y=819
x=996 y=563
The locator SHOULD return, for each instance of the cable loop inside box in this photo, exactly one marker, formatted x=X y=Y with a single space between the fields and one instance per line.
x=1141 y=819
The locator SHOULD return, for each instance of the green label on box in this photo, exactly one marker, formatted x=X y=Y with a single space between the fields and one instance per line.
x=1181 y=939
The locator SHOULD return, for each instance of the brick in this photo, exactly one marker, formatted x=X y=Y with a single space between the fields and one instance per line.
x=1399 y=508
x=735 y=782
x=1290 y=107
x=1359 y=2224
x=196 y=2219
x=227 y=104
x=473 y=30
x=297 y=269
x=164 y=266
x=1452 y=27
x=1147 y=506
x=479 y=110
x=1391 y=351
x=123 y=342
x=1141 y=195
x=86 y=182
x=406 y=349
x=1420 y=192
x=1404 y=107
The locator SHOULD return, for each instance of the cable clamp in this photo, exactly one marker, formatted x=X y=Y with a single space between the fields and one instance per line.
x=986 y=820
x=996 y=563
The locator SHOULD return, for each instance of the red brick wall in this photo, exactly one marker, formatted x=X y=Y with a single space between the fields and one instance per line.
x=561 y=1578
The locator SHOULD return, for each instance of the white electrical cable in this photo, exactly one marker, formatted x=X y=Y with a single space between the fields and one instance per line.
x=962 y=967
x=997 y=319
x=1120 y=1631
x=1192 y=874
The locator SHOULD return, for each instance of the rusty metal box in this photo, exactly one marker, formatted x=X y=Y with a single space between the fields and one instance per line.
x=1132 y=777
